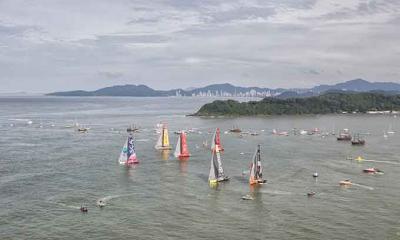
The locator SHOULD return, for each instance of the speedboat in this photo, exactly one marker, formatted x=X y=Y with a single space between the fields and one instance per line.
x=346 y=182
x=83 y=130
x=315 y=175
x=310 y=194
x=372 y=170
x=303 y=132
x=84 y=209
x=101 y=203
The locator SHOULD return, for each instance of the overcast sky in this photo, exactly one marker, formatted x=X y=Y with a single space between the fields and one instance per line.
x=50 y=45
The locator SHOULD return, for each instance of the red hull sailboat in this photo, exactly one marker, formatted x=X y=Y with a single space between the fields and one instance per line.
x=181 y=150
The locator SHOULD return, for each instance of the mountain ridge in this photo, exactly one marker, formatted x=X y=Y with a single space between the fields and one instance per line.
x=229 y=90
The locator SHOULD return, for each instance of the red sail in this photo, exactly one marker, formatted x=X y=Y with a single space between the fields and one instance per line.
x=218 y=140
x=184 y=147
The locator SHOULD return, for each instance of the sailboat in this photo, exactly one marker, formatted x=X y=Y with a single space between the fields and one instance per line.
x=357 y=140
x=256 y=169
x=216 y=171
x=181 y=150
x=390 y=131
x=163 y=139
x=217 y=139
x=128 y=154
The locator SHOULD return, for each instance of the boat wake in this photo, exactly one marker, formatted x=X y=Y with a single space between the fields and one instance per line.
x=378 y=161
x=276 y=192
x=68 y=206
x=363 y=186
x=106 y=199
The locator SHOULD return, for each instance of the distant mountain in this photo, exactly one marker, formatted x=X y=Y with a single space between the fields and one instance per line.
x=225 y=89
x=120 y=90
x=358 y=85
x=229 y=90
x=294 y=94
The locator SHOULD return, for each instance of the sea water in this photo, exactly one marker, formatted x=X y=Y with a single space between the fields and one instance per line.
x=48 y=170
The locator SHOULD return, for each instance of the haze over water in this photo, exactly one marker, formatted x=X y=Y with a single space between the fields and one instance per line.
x=47 y=172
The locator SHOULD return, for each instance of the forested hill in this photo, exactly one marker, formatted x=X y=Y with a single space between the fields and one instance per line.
x=323 y=104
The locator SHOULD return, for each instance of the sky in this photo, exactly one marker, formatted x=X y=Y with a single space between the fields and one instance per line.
x=52 y=45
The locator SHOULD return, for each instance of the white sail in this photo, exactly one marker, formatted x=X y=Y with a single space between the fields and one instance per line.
x=213 y=141
x=159 y=142
x=178 y=147
x=221 y=175
x=253 y=166
x=212 y=176
x=123 y=157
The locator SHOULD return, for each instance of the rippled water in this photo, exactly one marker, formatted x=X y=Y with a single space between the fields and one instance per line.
x=47 y=171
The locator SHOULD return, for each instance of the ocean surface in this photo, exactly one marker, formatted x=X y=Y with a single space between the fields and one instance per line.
x=48 y=170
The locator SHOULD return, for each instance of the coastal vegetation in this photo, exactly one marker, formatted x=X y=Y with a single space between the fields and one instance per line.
x=332 y=102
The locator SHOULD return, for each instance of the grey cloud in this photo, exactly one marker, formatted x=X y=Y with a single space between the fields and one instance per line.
x=111 y=75
x=64 y=45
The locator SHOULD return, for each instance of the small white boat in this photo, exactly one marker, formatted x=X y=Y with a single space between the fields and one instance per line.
x=247 y=197
x=303 y=132
x=385 y=135
x=100 y=203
